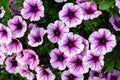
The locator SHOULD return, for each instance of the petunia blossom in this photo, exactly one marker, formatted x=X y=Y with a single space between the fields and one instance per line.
x=12 y=66
x=44 y=73
x=114 y=76
x=67 y=75
x=35 y=38
x=56 y=30
x=58 y=59
x=76 y=65
x=17 y=26
x=28 y=57
x=102 y=41
x=5 y=34
x=115 y=23
x=32 y=9
x=25 y=72
x=94 y=60
x=71 y=44
x=14 y=46
x=89 y=10
x=2 y=12
x=71 y=15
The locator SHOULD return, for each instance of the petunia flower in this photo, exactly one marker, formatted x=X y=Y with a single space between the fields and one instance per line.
x=71 y=44
x=114 y=76
x=94 y=60
x=17 y=26
x=115 y=23
x=102 y=41
x=67 y=75
x=2 y=12
x=59 y=1
x=25 y=72
x=58 y=59
x=28 y=57
x=71 y=15
x=76 y=65
x=14 y=46
x=56 y=30
x=5 y=34
x=35 y=38
x=32 y=26
x=96 y=75
x=89 y=10
x=12 y=66
x=32 y=9
x=44 y=73
x=2 y=57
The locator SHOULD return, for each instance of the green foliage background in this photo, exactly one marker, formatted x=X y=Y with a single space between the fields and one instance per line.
x=108 y=8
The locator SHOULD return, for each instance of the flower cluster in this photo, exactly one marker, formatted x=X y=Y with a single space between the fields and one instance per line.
x=73 y=54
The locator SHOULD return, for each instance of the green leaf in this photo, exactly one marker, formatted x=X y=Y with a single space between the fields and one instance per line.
x=105 y=5
x=117 y=64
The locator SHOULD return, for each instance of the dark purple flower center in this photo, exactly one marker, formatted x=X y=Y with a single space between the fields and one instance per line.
x=78 y=62
x=102 y=41
x=60 y=57
x=71 y=77
x=34 y=8
x=37 y=38
x=14 y=63
x=113 y=78
x=56 y=32
x=95 y=58
x=70 y=44
x=96 y=74
x=19 y=25
x=71 y=14
x=4 y=32
x=14 y=41
x=90 y=11
x=117 y=23
x=45 y=72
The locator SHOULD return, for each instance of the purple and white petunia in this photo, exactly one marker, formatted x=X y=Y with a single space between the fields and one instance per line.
x=117 y=3
x=35 y=38
x=71 y=44
x=2 y=12
x=56 y=30
x=114 y=76
x=76 y=65
x=94 y=60
x=2 y=57
x=28 y=57
x=96 y=75
x=67 y=75
x=44 y=73
x=32 y=9
x=59 y=1
x=5 y=34
x=102 y=41
x=58 y=59
x=25 y=72
x=89 y=10
x=115 y=23
x=71 y=15
x=17 y=26
x=14 y=46
x=12 y=66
